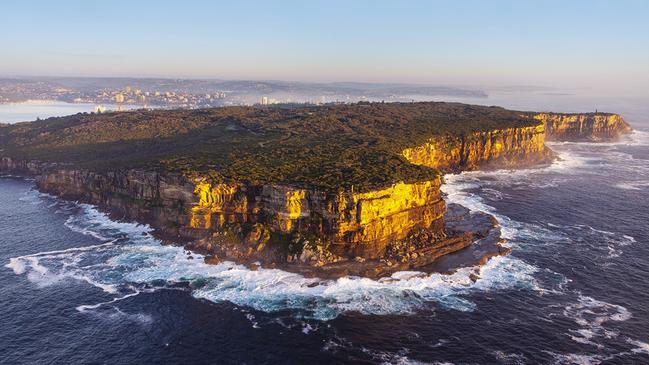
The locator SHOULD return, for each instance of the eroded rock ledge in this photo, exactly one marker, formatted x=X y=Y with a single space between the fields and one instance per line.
x=564 y=127
x=318 y=232
x=369 y=233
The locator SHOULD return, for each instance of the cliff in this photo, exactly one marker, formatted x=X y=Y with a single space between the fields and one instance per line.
x=583 y=127
x=269 y=223
x=498 y=148
x=399 y=227
x=334 y=190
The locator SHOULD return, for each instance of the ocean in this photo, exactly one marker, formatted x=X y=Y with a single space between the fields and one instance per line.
x=33 y=109
x=77 y=287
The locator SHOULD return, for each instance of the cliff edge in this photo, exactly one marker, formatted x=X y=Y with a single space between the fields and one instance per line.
x=583 y=127
x=335 y=190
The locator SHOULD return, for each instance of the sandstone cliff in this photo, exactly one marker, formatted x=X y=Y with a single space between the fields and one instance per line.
x=583 y=127
x=511 y=147
x=402 y=223
x=355 y=224
x=399 y=225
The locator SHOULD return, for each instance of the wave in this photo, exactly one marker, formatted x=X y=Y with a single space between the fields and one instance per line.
x=591 y=315
x=635 y=138
x=132 y=260
x=640 y=347
x=633 y=185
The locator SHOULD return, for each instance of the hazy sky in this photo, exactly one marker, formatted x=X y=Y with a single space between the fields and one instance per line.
x=589 y=43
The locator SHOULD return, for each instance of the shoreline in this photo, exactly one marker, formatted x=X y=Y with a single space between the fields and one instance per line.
x=483 y=230
x=51 y=109
x=484 y=241
x=325 y=230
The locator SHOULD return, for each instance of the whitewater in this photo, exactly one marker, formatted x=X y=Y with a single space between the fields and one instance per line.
x=571 y=291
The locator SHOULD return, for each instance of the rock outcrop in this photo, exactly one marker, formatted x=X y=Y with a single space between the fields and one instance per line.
x=397 y=227
x=370 y=232
x=355 y=224
x=511 y=147
x=583 y=127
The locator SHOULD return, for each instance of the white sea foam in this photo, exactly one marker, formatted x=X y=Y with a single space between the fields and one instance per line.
x=633 y=185
x=398 y=358
x=513 y=359
x=119 y=268
x=640 y=347
x=635 y=138
x=458 y=189
x=143 y=260
x=595 y=239
x=578 y=359
x=591 y=316
x=87 y=307
x=17 y=264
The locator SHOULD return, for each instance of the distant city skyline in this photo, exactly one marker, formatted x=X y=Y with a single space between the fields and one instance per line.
x=596 y=45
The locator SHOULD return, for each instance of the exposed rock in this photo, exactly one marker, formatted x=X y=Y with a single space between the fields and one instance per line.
x=511 y=147
x=371 y=233
x=583 y=127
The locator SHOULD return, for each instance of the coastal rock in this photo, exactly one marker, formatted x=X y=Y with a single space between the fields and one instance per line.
x=583 y=127
x=372 y=232
x=500 y=148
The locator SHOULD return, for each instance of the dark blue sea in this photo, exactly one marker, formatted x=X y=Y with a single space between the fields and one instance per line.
x=76 y=287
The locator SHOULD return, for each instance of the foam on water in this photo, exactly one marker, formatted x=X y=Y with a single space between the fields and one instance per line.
x=641 y=347
x=591 y=316
x=130 y=259
x=128 y=263
x=633 y=185
x=466 y=189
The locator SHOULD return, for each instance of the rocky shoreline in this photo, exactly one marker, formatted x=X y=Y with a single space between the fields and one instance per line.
x=405 y=226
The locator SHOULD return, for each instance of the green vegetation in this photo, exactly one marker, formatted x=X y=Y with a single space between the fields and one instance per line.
x=328 y=147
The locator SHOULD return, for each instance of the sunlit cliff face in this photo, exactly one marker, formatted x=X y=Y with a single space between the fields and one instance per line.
x=591 y=126
x=366 y=220
x=216 y=201
x=389 y=212
x=507 y=146
x=357 y=218
x=294 y=206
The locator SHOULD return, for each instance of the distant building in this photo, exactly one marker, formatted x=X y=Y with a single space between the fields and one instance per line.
x=99 y=109
x=119 y=98
x=264 y=100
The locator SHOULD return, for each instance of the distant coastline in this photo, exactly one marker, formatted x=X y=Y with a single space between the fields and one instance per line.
x=33 y=109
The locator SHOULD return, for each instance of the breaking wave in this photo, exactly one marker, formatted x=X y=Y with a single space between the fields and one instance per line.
x=130 y=260
x=591 y=315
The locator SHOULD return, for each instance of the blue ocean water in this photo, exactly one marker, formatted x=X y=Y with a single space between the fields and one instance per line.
x=76 y=287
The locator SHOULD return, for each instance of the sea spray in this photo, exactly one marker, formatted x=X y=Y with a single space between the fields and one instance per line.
x=132 y=259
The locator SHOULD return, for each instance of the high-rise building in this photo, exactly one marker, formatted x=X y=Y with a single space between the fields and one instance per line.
x=264 y=100
x=119 y=98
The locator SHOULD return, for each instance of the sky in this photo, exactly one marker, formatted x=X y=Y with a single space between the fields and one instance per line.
x=592 y=44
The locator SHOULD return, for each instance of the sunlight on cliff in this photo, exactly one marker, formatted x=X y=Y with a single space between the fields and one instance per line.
x=352 y=217
x=390 y=212
x=443 y=152
x=292 y=209
x=212 y=199
x=583 y=126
